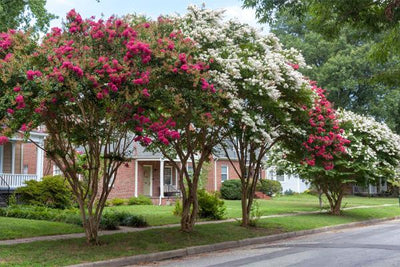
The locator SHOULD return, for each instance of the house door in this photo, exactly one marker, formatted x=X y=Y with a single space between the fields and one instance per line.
x=147 y=180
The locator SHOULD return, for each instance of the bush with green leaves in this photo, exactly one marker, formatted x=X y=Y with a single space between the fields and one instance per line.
x=210 y=205
x=231 y=189
x=177 y=211
x=118 y=202
x=52 y=192
x=42 y=213
x=269 y=187
x=140 y=200
x=111 y=220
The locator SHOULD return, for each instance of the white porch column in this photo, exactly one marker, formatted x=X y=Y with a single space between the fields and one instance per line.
x=176 y=178
x=12 y=158
x=136 y=178
x=161 y=179
x=215 y=174
x=22 y=158
x=1 y=159
x=39 y=163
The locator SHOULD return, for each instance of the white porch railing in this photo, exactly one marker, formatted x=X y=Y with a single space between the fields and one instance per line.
x=15 y=180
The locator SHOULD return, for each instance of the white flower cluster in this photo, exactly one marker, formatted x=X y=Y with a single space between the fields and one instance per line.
x=248 y=64
x=372 y=142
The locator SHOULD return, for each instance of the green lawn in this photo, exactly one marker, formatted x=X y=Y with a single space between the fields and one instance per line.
x=11 y=228
x=160 y=215
x=65 y=252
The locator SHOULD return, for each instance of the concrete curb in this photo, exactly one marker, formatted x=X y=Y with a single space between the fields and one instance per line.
x=158 y=256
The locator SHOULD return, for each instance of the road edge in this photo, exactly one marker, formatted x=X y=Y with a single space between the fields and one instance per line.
x=177 y=253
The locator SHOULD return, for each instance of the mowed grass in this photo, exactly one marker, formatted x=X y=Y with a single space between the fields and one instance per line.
x=11 y=228
x=161 y=215
x=66 y=252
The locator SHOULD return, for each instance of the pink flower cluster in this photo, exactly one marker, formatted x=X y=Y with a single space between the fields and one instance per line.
x=30 y=74
x=19 y=99
x=206 y=86
x=3 y=140
x=325 y=140
x=138 y=48
x=5 y=41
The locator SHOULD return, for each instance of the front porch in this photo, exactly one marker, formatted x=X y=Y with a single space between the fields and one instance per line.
x=157 y=179
x=20 y=162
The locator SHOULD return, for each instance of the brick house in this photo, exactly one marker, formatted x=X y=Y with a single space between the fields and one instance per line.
x=146 y=174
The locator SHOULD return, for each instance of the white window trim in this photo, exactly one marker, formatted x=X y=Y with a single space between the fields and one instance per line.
x=227 y=172
x=56 y=169
x=172 y=176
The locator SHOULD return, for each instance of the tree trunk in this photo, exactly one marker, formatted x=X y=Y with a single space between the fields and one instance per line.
x=335 y=209
x=245 y=210
x=91 y=231
x=90 y=223
x=189 y=211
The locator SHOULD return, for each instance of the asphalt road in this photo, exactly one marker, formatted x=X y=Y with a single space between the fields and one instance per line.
x=376 y=245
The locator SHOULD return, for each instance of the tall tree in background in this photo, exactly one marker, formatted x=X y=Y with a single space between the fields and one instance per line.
x=342 y=64
x=366 y=17
x=23 y=14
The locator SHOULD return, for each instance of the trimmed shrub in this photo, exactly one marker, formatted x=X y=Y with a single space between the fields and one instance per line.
x=118 y=202
x=52 y=192
x=289 y=192
x=42 y=213
x=210 y=205
x=111 y=220
x=269 y=187
x=140 y=200
x=135 y=221
x=231 y=189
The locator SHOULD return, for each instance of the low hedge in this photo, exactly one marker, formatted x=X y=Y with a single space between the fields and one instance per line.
x=140 y=200
x=42 y=213
x=110 y=219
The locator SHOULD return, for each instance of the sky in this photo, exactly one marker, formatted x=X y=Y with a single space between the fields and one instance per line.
x=151 y=8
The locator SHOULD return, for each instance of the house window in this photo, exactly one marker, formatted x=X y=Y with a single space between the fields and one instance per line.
x=224 y=173
x=168 y=175
x=56 y=170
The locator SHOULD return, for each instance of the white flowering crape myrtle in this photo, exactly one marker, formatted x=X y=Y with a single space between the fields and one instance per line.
x=374 y=150
x=258 y=76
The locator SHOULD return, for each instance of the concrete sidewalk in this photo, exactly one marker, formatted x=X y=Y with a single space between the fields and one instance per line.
x=130 y=229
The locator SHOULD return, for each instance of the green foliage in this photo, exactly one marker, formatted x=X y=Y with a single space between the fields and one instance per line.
x=111 y=220
x=140 y=200
x=177 y=211
x=210 y=205
x=289 y=192
x=42 y=213
x=52 y=191
x=118 y=202
x=342 y=65
x=24 y=14
x=231 y=189
x=255 y=213
x=135 y=221
x=269 y=187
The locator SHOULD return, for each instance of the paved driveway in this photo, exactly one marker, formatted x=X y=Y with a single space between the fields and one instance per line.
x=376 y=245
